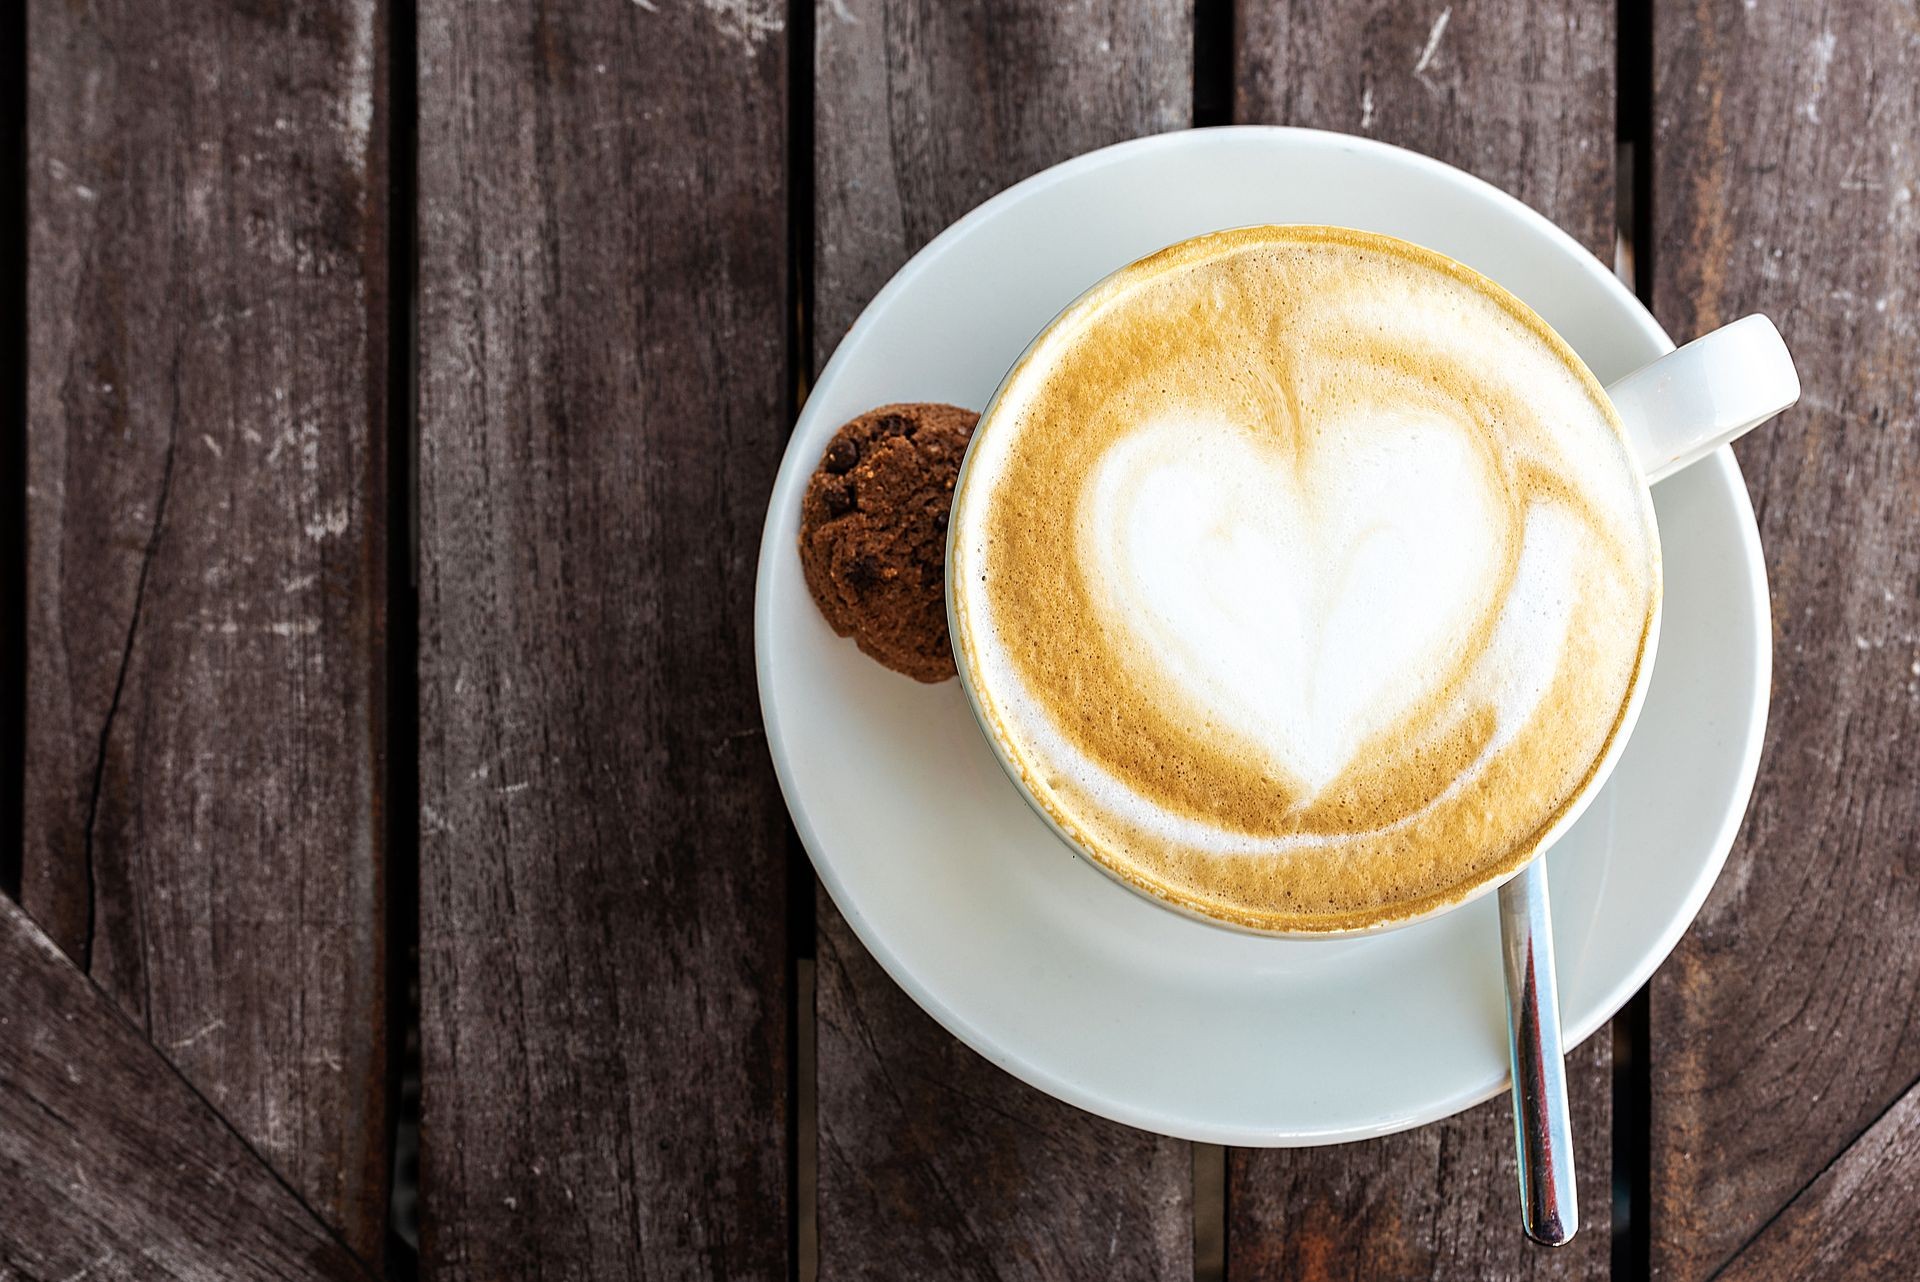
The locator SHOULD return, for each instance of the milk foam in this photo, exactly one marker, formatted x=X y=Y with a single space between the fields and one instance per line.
x=1308 y=610
x=1304 y=576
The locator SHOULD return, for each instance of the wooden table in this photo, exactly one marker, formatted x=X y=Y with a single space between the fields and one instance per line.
x=381 y=492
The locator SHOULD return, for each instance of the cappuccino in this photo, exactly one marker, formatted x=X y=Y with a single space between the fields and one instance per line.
x=1303 y=577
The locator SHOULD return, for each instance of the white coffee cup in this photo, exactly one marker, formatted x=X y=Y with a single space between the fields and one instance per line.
x=1675 y=410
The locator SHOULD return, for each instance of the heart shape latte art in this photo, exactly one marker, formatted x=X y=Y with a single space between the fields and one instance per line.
x=1305 y=600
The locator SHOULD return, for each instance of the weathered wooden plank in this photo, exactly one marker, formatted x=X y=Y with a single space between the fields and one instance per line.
x=603 y=399
x=1522 y=95
x=13 y=448
x=1785 y=177
x=933 y=1163
x=1856 y=1220
x=923 y=110
x=1519 y=94
x=111 y=1166
x=1438 y=1202
x=936 y=1164
x=206 y=508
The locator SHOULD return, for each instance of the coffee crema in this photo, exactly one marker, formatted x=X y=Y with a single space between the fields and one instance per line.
x=1304 y=577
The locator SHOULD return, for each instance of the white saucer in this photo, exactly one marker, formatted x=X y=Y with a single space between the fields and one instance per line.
x=1086 y=990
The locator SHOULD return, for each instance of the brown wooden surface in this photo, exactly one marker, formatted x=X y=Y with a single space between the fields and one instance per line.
x=206 y=503
x=1856 y=1220
x=603 y=328
x=934 y=1163
x=112 y=1166
x=1787 y=179
x=1520 y=94
x=1438 y=1202
x=922 y=110
x=606 y=309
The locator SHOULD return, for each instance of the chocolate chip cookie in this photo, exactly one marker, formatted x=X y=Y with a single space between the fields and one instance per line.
x=873 y=533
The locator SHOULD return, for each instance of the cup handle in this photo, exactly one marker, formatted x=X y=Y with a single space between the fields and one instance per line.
x=1698 y=397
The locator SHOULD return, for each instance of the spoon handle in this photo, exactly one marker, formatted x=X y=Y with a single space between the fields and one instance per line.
x=1543 y=1130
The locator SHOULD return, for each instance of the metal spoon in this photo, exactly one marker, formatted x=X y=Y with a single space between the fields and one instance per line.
x=1543 y=1129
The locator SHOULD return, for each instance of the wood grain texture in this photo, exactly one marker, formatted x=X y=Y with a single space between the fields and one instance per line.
x=603 y=329
x=933 y=1163
x=1438 y=1202
x=1786 y=177
x=922 y=110
x=206 y=509
x=1855 y=1221
x=936 y=1164
x=111 y=1166
x=1520 y=94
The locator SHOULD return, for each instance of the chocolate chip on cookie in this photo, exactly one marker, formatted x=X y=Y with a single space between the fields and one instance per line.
x=873 y=533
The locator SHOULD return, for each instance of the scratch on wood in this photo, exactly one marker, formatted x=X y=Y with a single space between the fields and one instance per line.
x=750 y=22
x=205 y=1030
x=126 y=657
x=1823 y=47
x=328 y=523
x=1433 y=40
x=358 y=99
